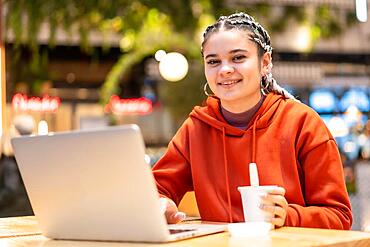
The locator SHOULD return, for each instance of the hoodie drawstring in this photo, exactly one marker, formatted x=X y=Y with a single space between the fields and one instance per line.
x=227 y=176
x=254 y=141
x=226 y=164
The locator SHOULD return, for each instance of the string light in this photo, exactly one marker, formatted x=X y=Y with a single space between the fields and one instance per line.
x=361 y=10
x=173 y=66
x=42 y=128
x=159 y=55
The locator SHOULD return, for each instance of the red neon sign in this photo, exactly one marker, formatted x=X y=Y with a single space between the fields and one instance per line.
x=21 y=102
x=129 y=106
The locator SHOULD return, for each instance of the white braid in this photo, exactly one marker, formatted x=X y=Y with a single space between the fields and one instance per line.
x=276 y=88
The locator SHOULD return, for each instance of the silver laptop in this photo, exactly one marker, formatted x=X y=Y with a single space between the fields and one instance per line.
x=96 y=185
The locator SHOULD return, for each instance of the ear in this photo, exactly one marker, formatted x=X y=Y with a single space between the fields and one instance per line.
x=265 y=61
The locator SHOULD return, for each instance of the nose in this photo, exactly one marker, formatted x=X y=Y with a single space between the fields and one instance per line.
x=226 y=69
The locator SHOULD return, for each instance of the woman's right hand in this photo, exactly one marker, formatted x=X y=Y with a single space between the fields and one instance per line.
x=171 y=212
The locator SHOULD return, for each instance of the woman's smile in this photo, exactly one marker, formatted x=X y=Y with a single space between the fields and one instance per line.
x=228 y=83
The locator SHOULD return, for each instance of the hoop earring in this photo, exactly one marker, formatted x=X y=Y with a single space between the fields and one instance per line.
x=264 y=88
x=205 y=90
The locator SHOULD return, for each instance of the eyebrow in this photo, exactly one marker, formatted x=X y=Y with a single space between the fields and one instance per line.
x=238 y=50
x=231 y=52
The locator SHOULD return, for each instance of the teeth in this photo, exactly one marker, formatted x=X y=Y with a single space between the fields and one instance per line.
x=228 y=82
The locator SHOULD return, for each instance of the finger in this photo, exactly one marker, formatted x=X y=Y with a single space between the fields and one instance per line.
x=274 y=199
x=180 y=216
x=279 y=215
x=176 y=217
x=277 y=191
x=278 y=222
x=274 y=210
x=169 y=209
x=282 y=202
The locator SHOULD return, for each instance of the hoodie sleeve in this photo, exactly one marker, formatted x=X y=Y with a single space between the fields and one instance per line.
x=172 y=172
x=326 y=198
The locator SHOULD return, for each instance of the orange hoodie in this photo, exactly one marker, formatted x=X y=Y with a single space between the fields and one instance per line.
x=290 y=145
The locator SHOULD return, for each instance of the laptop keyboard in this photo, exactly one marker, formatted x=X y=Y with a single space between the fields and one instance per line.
x=174 y=231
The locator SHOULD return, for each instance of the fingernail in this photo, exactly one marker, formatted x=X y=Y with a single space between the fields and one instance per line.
x=263 y=195
x=261 y=206
x=180 y=215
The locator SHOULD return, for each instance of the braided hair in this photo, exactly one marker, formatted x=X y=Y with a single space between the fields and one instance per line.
x=259 y=35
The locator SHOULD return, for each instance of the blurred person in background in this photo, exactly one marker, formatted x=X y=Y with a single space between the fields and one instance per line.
x=13 y=197
x=365 y=151
x=349 y=173
x=249 y=118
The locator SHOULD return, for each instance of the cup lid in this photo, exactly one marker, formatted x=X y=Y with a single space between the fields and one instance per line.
x=248 y=229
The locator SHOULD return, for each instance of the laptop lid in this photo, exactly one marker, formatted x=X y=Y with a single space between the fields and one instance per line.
x=92 y=185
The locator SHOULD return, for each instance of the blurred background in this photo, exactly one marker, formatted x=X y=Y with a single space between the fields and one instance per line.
x=69 y=65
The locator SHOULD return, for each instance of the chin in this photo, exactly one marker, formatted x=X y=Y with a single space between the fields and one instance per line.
x=231 y=100
x=229 y=96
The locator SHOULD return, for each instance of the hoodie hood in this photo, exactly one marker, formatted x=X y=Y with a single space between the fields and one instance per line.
x=211 y=114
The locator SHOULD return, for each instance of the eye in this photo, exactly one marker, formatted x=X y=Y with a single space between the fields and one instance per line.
x=213 y=61
x=239 y=58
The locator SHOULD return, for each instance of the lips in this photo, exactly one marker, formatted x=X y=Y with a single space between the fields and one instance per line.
x=229 y=82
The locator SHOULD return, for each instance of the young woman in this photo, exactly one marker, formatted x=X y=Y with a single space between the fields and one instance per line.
x=249 y=118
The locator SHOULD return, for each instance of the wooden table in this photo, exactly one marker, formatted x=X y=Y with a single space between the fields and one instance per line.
x=23 y=231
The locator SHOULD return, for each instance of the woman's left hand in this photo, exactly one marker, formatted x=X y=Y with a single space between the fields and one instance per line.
x=279 y=205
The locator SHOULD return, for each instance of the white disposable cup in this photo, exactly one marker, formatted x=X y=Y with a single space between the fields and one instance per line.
x=251 y=199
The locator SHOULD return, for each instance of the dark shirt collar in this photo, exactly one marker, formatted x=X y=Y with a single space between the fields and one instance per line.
x=241 y=120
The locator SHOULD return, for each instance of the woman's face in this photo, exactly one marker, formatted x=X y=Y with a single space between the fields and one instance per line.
x=233 y=69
